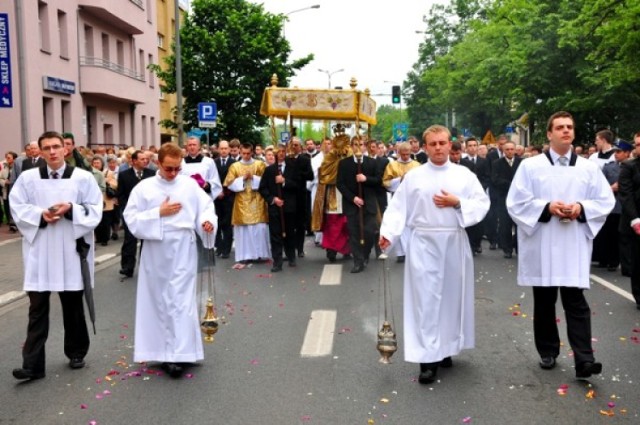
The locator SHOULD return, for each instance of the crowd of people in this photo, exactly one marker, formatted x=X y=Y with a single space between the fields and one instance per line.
x=431 y=202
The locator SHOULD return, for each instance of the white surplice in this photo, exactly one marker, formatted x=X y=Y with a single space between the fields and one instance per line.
x=167 y=318
x=51 y=262
x=209 y=172
x=556 y=253
x=438 y=272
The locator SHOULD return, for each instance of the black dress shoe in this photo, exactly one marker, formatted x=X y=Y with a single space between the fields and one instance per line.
x=446 y=362
x=104 y=243
x=548 y=362
x=493 y=246
x=428 y=373
x=301 y=254
x=127 y=273
x=346 y=256
x=292 y=263
x=478 y=250
x=76 y=363
x=586 y=369
x=224 y=255
x=173 y=369
x=27 y=374
x=400 y=259
x=612 y=268
x=331 y=255
x=276 y=269
x=508 y=255
x=357 y=268
x=114 y=237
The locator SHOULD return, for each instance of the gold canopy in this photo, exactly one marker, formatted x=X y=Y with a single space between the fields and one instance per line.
x=318 y=104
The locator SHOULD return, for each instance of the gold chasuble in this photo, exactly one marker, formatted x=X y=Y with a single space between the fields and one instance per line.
x=249 y=206
x=395 y=169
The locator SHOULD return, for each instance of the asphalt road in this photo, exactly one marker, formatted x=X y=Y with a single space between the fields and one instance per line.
x=254 y=372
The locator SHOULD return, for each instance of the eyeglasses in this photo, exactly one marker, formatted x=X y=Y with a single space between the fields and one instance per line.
x=171 y=169
x=51 y=148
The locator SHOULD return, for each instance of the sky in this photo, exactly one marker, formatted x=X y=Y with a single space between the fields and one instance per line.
x=372 y=40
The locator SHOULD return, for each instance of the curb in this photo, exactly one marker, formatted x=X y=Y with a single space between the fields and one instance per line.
x=13 y=296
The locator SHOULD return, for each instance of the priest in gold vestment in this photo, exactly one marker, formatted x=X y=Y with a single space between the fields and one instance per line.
x=249 y=217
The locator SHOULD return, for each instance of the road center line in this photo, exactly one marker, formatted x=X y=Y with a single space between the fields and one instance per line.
x=318 y=339
x=331 y=274
x=612 y=287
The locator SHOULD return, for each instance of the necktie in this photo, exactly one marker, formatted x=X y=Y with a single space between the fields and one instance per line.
x=139 y=173
x=224 y=161
x=54 y=175
x=510 y=161
x=563 y=161
x=34 y=161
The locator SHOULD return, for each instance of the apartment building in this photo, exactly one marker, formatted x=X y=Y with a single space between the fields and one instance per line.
x=78 y=66
x=166 y=34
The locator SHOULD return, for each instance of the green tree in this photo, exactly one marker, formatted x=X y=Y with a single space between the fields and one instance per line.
x=387 y=115
x=230 y=49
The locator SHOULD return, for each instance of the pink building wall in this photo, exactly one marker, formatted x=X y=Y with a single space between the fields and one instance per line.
x=102 y=47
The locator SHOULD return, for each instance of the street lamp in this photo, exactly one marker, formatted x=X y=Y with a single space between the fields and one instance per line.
x=330 y=73
x=315 y=6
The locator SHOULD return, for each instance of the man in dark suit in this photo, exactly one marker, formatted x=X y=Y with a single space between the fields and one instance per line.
x=357 y=182
x=311 y=151
x=479 y=166
x=502 y=172
x=491 y=220
x=279 y=188
x=302 y=164
x=33 y=159
x=381 y=191
x=629 y=197
x=127 y=180
x=224 y=203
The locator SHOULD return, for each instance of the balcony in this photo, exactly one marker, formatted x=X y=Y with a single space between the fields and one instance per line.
x=110 y=80
x=126 y=15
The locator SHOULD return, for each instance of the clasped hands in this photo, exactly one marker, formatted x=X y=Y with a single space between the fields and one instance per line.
x=565 y=211
x=55 y=211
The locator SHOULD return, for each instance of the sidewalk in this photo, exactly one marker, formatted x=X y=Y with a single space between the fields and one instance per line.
x=11 y=266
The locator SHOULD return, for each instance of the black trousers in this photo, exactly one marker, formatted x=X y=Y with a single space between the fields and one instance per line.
x=103 y=231
x=578 y=318
x=626 y=253
x=506 y=236
x=128 y=251
x=280 y=243
x=224 y=234
x=76 y=336
x=608 y=238
x=361 y=251
x=475 y=235
x=491 y=221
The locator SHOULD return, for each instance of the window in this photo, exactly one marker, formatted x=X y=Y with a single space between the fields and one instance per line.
x=143 y=129
x=47 y=114
x=141 y=63
x=161 y=93
x=120 y=52
x=43 y=24
x=105 y=47
x=152 y=129
x=66 y=116
x=122 y=127
x=152 y=82
x=88 y=41
x=62 y=34
x=160 y=41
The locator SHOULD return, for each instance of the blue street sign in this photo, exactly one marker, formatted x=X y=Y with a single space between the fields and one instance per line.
x=400 y=131
x=509 y=129
x=285 y=136
x=6 y=95
x=207 y=114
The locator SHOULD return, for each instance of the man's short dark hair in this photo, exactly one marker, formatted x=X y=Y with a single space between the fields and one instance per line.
x=607 y=135
x=135 y=154
x=559 y=114
x=13 y=154
x=49 y=135
x=456 y=146
x=247 y=146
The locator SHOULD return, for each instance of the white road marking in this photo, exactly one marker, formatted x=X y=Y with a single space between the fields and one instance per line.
x=104 y=257
x=318 y=339
x=331 y=274
x=612 y=287
x=11 y=296
x=8 y=241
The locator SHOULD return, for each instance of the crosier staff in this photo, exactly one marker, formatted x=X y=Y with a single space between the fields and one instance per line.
x=360 y=210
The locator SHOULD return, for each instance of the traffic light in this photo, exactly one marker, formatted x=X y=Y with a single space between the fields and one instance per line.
x=395 y=94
